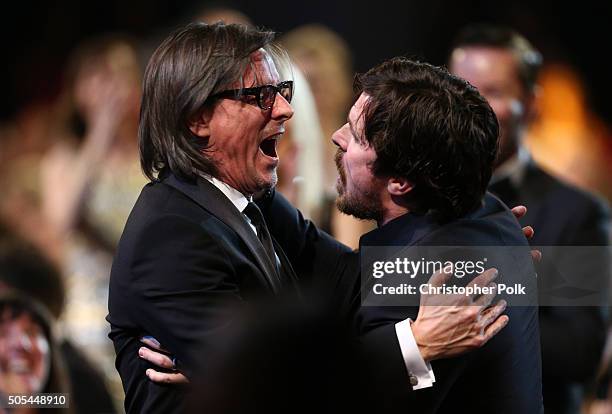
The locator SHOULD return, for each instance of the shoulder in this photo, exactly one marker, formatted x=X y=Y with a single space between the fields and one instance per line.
x=492 y=224
x=550 y=189
x=162 y=198
x=164 y=218
x=161 y=205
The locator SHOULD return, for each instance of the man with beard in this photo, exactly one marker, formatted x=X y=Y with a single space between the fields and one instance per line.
x=416 y=155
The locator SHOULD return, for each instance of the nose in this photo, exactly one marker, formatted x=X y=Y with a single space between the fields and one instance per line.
x=339 y=138
x=281 y=110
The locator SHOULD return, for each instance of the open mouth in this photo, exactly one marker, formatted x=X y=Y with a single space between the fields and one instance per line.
x=268 y=146
x=19 y=366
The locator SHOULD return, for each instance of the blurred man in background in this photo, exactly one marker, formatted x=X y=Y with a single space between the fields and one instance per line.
x=504 y=66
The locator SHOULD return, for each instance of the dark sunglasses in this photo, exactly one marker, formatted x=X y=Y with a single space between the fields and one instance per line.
x=265 y=94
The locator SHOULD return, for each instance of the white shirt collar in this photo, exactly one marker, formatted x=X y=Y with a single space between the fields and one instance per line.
x=513 y=168
x=236 y=197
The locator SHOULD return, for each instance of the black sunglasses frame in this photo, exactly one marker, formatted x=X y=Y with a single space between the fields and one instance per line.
x=257 y=92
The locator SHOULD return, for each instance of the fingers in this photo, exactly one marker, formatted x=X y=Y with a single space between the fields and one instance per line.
x=152 y=343
x=486 y=299
x=494 y=328
x=519 y=211
x=155 y=358
x=528 y=232
x=166 y=378
x=485 y=278
x=160 y=360
x=536 y=255
x=491 y=314
x=441 y=277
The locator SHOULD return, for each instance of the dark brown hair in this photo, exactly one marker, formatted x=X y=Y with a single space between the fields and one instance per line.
x=192 y=64
x=433 y=129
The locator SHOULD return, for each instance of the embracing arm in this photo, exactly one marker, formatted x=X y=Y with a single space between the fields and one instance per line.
x=178 y=285
x=440 y=330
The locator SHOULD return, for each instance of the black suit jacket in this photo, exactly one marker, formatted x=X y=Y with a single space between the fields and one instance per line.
x=572 y=337
x=502 y=377
x=186 y=262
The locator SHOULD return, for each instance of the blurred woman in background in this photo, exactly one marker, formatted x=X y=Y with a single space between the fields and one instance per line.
x=325 y=60
x=29 y=358
x=74 y=200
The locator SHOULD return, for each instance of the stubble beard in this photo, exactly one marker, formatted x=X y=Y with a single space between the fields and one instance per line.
x=364 y=206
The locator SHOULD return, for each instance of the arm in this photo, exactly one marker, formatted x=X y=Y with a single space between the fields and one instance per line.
x=74 y=173
x=446 y=326
x=326 y=268
x=180 y=288
x=442 y=330
x=438 y=332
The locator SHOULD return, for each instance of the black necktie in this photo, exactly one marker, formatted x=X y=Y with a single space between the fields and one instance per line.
x=254 y=214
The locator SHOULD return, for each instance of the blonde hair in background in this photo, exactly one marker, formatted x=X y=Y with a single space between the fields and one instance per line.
x=307 y=134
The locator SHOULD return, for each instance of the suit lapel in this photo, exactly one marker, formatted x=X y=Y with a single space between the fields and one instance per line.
x=216 y=203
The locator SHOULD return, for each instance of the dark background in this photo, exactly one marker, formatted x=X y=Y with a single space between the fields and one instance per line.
x=38 y=36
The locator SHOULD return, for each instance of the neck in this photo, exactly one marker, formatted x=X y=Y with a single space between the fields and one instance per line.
x=230 y=183
x=392 y=210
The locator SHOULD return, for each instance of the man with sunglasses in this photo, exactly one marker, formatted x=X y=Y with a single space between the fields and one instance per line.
x=195 y=249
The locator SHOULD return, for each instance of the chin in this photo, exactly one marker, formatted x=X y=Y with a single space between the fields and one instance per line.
x=359 y=208
x=267 y=181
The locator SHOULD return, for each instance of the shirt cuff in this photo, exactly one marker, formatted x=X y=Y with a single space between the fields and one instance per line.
x=420 y=373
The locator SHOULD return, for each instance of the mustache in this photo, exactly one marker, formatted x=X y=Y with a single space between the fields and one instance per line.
x=338 y=159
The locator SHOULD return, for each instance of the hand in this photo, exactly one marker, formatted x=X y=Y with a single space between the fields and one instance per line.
x=102 y=95
x=519 y=211
x=450 y=325
x=158 y=357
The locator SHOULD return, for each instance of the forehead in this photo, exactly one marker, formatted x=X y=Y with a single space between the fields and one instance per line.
x=481 y=62
x=261 y=69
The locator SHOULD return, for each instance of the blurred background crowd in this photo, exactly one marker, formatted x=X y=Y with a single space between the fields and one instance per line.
x=69 y=164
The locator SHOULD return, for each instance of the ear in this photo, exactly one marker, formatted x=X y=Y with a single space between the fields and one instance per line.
x=399 y=186
x=199 y=124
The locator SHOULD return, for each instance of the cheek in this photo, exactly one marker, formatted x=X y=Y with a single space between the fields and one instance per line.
x=501 y=107
x=354 y=167
x=229 y=140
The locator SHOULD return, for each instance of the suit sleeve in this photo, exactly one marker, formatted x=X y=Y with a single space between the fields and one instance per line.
x=182 y=288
